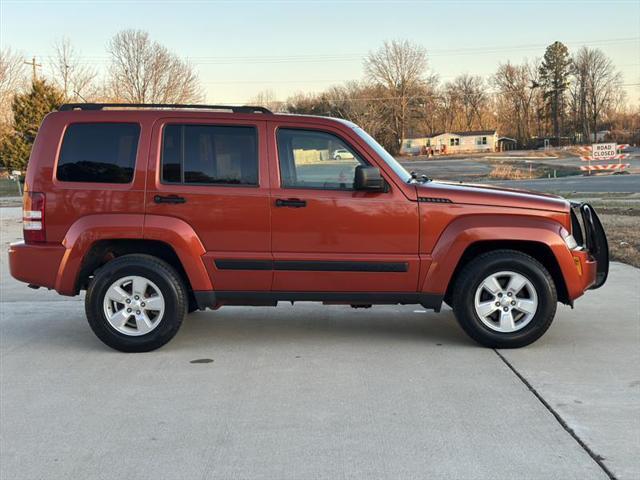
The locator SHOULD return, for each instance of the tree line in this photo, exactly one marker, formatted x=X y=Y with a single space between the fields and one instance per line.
x=565 y=96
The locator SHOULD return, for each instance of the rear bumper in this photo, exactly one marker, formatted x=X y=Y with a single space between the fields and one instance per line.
x=35 y=264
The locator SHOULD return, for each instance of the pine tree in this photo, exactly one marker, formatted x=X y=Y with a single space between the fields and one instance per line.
x=554 y=75
x=29 y=109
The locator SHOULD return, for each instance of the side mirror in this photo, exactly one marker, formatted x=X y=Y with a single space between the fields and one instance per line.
x=369 y=179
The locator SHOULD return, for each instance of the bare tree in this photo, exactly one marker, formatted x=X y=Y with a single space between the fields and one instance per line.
x=597 y=88
x=516 y=91
x=363 y=104
x=267 y=99
x=143 y=71
x=12 y=81
x=473 y=98
x=74 y=78
x=399 y=66
x=427 y=118
x=449 y=106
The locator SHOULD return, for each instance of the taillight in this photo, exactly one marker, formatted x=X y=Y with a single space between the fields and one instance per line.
x=33 y=217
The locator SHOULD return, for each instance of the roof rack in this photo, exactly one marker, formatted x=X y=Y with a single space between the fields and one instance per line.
x=100 y=106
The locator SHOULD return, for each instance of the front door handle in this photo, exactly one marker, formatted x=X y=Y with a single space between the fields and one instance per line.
x=291 y=203
x=169 y=199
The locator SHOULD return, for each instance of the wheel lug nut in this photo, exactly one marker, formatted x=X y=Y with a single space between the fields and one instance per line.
x=500 y=295
x=513 y=302
x=137 y=297
x=142 y=304
x=497 y=304
x=128 y=300
x=509 y=294
x=505 y=309
x=128 y=310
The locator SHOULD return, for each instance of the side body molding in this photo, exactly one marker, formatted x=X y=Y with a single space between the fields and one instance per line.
x=465 y=231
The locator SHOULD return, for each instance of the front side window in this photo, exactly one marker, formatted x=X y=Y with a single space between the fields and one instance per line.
x=310 y=159
x=98 y=153
x=210 y=155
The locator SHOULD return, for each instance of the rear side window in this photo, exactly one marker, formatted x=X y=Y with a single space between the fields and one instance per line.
x=98 y=153
x=210 y=155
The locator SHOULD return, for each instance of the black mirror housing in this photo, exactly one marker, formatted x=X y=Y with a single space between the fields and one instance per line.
x=369 y=179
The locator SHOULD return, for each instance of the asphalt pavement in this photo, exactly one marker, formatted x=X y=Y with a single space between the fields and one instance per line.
x=472 y=168
x=585 y=184
x=311 y=391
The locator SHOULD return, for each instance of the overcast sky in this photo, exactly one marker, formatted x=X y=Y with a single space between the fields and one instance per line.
x=243 y=47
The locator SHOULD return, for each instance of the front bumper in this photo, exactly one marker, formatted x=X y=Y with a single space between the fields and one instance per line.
x=35 y=264
x=592 y=240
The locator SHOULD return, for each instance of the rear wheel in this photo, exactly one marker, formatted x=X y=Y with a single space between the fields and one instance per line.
x=136 y=303
x=504 y=299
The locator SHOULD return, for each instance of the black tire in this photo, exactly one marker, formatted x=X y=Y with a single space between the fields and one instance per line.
x=476 y=271
x=159 y=272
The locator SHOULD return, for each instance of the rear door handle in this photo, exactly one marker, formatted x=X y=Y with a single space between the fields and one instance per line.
x=169 y=199
x=291 y=203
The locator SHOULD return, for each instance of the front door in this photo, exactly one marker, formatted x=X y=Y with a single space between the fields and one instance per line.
x=213 y=175
x=327 y=237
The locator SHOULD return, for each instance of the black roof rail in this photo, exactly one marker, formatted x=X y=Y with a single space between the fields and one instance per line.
x=100 y=106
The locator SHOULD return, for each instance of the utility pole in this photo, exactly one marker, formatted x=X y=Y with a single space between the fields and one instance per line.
x=34 y=65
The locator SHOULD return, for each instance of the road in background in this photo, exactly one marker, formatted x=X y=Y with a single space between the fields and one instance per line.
x=475 y=170
x=595 y=183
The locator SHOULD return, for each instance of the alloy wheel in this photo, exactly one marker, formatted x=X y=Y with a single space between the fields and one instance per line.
x=134 y=305
x=506 y=301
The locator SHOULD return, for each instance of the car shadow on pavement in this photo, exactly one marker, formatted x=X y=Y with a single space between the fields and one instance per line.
x=61 y=325
x=318 y=324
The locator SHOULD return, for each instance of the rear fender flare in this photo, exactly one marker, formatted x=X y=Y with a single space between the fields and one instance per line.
x=83 y=234
x=92 y=228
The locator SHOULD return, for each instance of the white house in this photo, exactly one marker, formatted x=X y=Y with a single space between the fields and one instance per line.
x=452 y=142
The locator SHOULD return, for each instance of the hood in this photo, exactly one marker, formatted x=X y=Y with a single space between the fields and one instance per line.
x=476 y=194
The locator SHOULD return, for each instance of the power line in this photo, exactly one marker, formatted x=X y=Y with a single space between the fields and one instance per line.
x=320 y=58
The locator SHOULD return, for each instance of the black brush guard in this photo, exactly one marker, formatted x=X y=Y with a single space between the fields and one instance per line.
x=589 y=234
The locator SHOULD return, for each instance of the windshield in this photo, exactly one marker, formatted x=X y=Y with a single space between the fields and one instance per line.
x=386 y=156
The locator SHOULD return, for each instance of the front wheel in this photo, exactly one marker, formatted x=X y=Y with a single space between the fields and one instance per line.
x=504 y=299
x=136 y=303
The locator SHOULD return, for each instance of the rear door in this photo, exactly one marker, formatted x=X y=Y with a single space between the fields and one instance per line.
x=213 y=174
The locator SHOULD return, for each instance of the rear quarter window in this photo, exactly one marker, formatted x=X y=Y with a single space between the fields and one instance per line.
x=98 y=153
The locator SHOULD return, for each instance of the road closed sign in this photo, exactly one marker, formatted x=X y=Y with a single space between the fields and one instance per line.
x=603 y=151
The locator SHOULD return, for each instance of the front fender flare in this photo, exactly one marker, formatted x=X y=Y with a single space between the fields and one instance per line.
x=465 y=231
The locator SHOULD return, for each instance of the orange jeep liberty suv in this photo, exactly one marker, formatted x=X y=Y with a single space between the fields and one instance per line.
x=159 y=210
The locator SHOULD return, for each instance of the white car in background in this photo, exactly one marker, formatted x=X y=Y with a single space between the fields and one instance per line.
x=342 y=153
